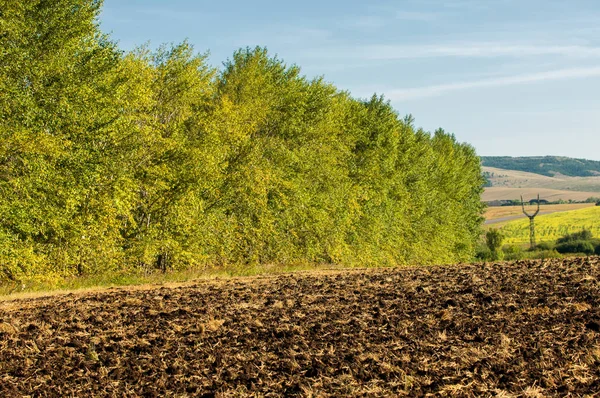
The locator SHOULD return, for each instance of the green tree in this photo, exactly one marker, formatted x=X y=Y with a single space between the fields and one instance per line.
x=282 y=184
x=493 y=240
x=113 y=162
x=58 y=75
x=167 y=162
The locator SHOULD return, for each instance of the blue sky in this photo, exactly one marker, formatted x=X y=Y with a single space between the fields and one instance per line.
x=510 y=77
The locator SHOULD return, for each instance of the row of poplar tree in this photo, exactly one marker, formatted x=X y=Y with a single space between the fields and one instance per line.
x=154 y=160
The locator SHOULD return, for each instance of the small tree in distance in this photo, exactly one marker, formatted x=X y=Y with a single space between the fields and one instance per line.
x=493 y=240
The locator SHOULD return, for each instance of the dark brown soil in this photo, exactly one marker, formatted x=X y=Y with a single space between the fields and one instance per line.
x=527 y=329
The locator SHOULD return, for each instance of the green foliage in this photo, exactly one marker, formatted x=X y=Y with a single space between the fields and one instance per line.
x=577 y=242
x=483 y=252
x=543 y=246
x=493 y=240
x=513 y=252
x=130 y=163
x=545 y=254
x=583 y=235
x=61 y=79
x=575 y=246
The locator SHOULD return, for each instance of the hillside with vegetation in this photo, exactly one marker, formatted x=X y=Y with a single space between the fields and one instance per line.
x=545 y=165
x=503 y=184
x=115 y=162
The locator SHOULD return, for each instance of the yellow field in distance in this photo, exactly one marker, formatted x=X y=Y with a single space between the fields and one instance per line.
x=493 y=213
x=550 y=227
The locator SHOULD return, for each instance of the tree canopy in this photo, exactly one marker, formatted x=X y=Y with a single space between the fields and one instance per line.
x=113 y=161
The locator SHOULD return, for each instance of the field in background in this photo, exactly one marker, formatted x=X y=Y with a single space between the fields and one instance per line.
x=502 y=193
x=495 y=214
x=516 y=179
x=527 y=328
x=511 y=184
x=552 y=226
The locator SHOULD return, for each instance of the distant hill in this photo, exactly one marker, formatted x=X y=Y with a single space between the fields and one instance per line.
x=503 y=178
x=545 y=165
x=510 y=184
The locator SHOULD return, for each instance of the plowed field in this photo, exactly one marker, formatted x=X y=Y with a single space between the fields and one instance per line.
x=513 y=329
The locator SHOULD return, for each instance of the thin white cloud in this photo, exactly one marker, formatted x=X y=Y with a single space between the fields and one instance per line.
x=475 y=50
x=379 y=52
x=281 y=35
x=381 y=16
x=463 y=5
x=440 y=89
x=365 y=22
x=173 y=13
x=418 y=16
